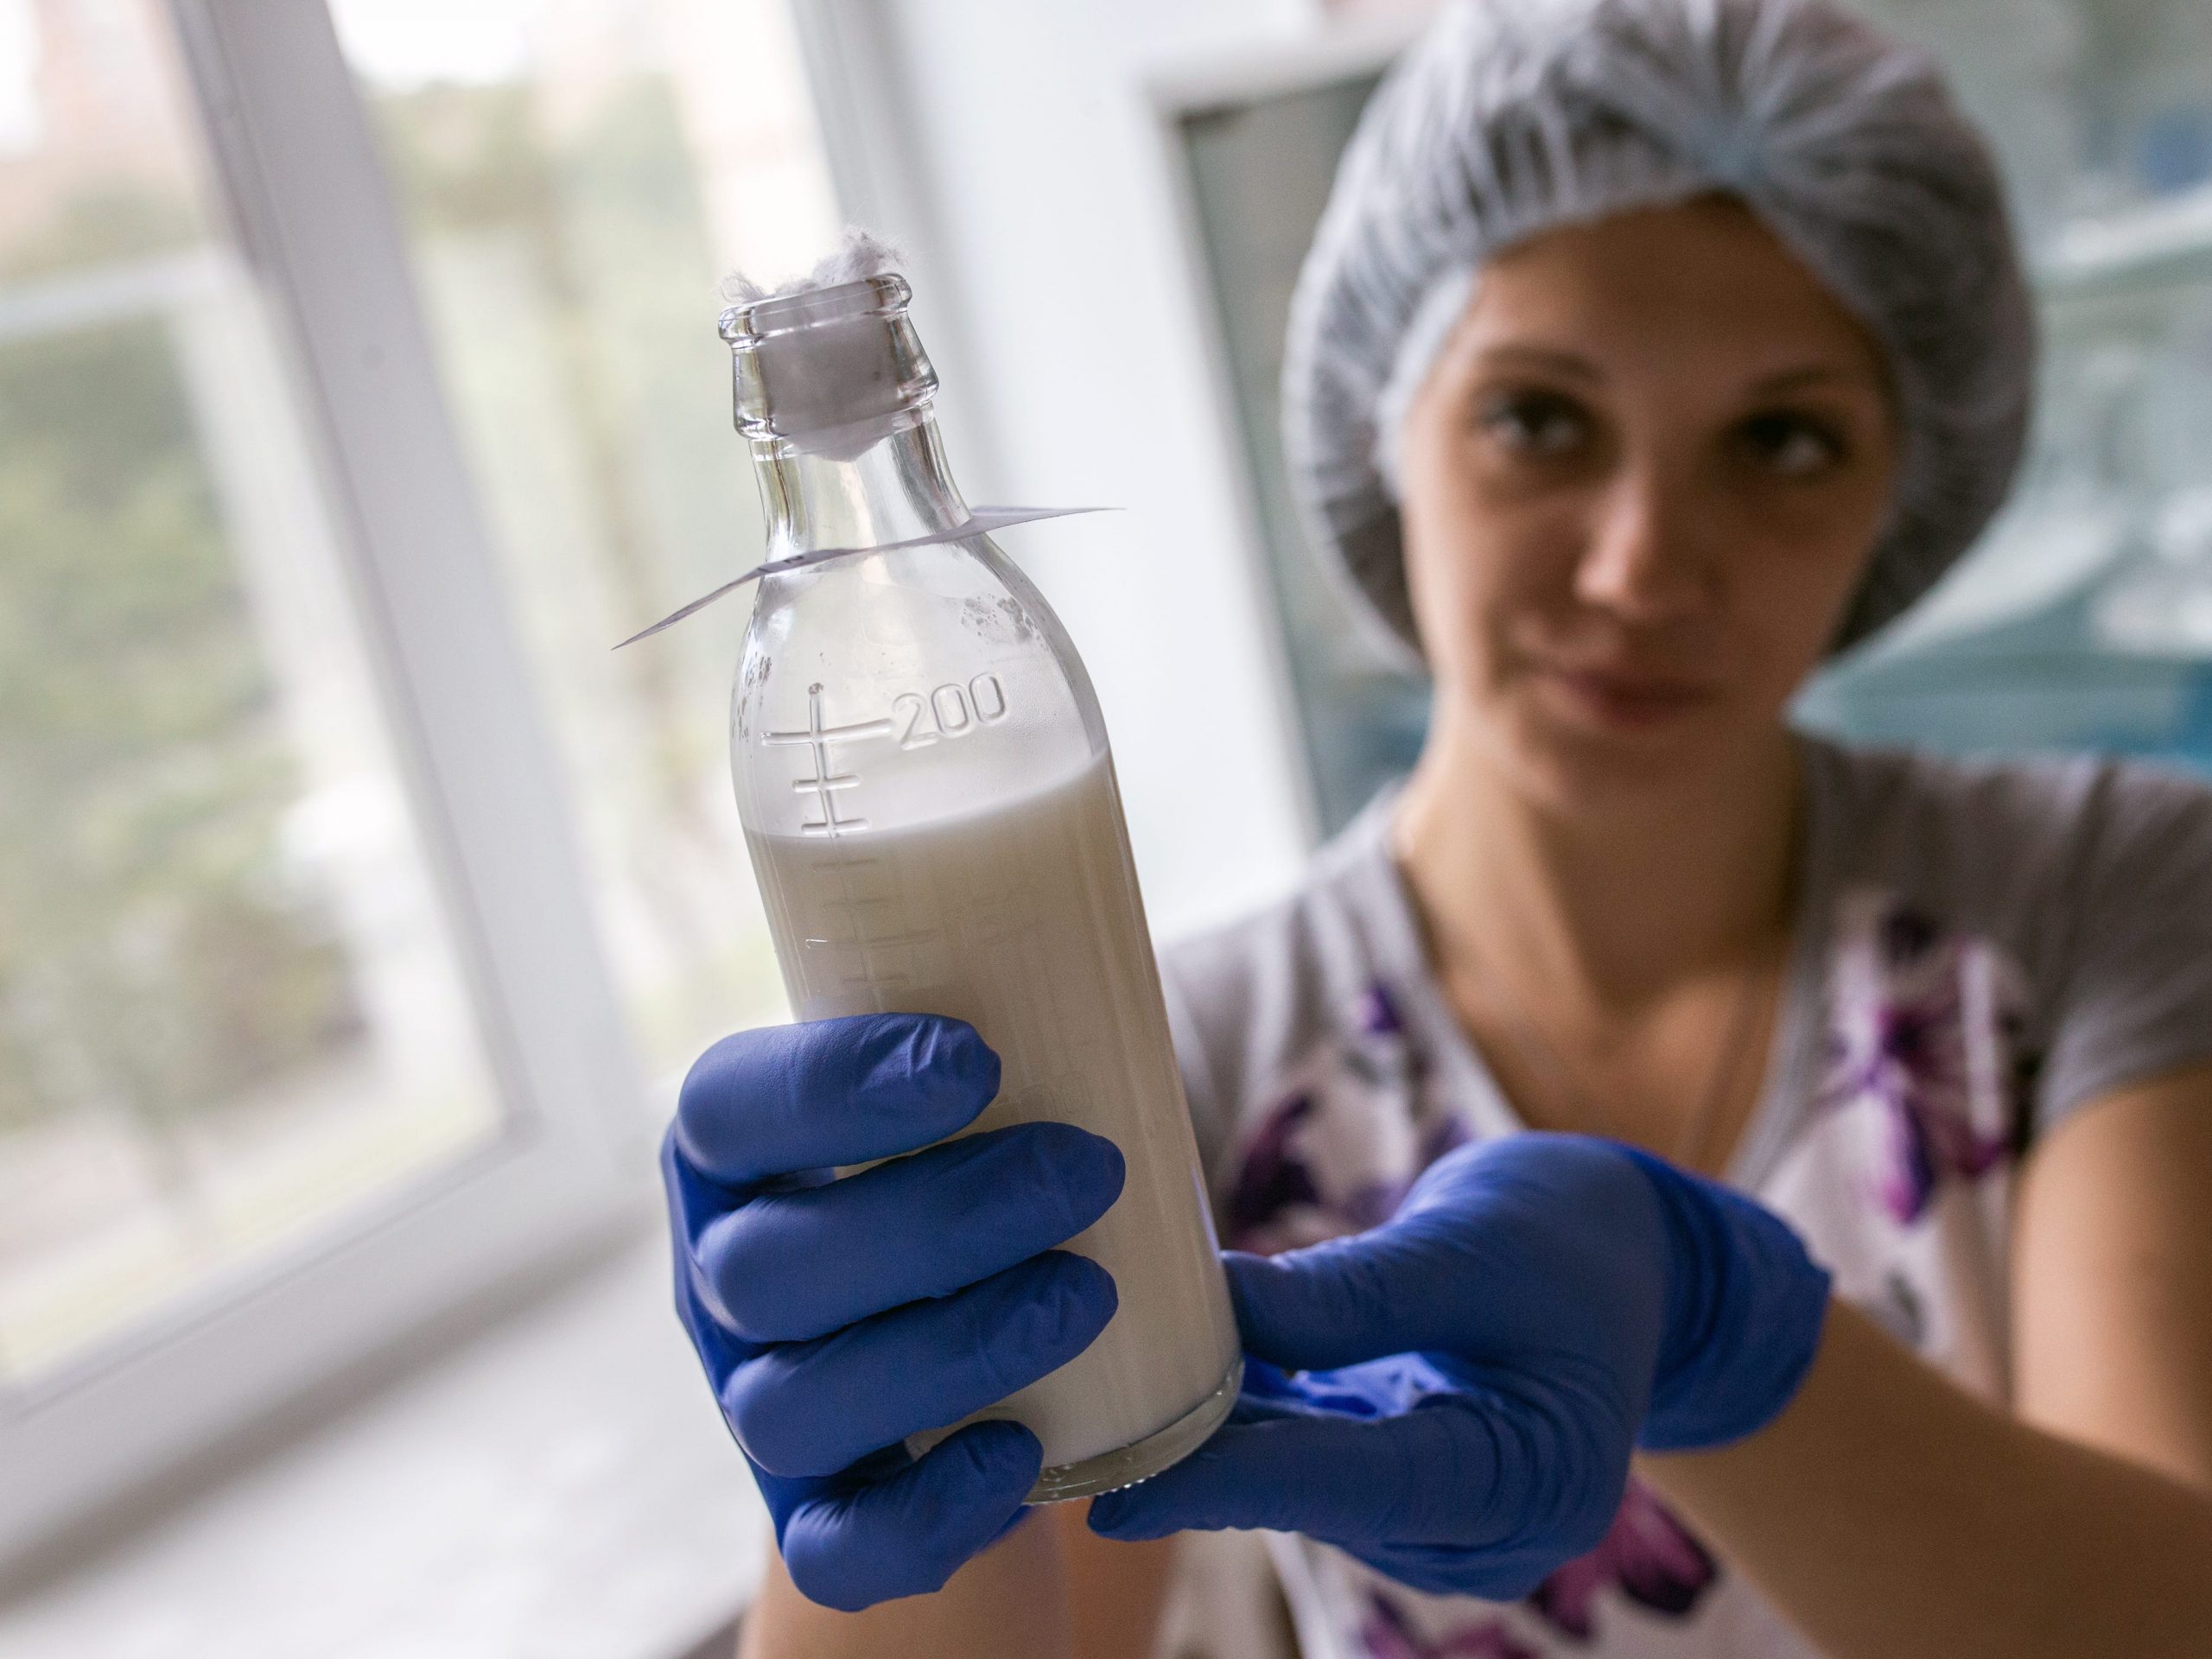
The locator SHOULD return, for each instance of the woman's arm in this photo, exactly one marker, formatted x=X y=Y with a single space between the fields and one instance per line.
x=2114 y=1256
x=1892 y=1515
x=1051 y=1589
x=1118 y=1593
x=1010 y=1602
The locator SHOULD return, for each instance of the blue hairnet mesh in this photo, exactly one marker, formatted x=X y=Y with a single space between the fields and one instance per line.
x=1511 y=117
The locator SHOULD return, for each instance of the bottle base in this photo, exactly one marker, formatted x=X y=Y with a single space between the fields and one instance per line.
x=1111 y=1471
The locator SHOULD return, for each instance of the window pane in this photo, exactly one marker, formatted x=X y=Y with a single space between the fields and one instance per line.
x=229 y=1012
x=576 y=176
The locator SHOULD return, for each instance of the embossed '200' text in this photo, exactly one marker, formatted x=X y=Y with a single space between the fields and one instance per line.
x=950 y=710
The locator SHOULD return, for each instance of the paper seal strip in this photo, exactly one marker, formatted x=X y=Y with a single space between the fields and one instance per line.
x=980 y=521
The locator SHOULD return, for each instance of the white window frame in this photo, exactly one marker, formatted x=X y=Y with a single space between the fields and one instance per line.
x=290 y=142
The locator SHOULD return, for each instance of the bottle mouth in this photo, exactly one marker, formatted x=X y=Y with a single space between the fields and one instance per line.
x=829 y=370
x=880 y=296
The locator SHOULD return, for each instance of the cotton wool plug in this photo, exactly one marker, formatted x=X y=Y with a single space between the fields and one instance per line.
x=829 y=367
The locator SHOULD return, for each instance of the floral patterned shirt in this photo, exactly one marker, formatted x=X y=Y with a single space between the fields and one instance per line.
x=1979 y=950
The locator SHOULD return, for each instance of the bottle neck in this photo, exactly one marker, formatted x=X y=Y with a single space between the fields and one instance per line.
x=887 y=486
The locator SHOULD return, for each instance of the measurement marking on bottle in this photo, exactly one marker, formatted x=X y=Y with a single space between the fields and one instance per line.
x=876 y=942
x=950 y=710
x=864 y=960
x=825 y=783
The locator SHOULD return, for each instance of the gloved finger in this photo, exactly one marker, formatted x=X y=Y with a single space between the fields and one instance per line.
x=786 y=1266
x=718 y=1352
x=784 y=1098
x=1425 y=1476
x=851 y=1546
x=814 y=1408
x=1458 y=1266
x=1349 y=1299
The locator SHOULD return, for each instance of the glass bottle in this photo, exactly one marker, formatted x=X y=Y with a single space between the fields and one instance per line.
x=929 y=804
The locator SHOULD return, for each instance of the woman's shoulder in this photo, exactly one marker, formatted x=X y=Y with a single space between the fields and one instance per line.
x=2071 y=895
x=1981 y=831
x=2058 y=790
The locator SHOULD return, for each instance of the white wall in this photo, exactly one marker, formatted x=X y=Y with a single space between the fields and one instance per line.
x=1026 y=172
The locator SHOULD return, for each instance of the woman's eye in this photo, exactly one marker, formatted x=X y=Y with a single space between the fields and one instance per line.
x=1791 y=445
x=1535 y=424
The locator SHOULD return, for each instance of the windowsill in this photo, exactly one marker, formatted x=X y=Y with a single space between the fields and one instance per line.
x=558 y=1485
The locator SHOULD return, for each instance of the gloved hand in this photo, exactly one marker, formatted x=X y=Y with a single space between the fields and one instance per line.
x=834 y=1318
x=1539 y=1305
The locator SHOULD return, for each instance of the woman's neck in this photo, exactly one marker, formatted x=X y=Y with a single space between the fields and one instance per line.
x=1608 y=907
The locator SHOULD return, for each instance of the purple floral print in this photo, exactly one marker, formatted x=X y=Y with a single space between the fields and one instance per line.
x=1648 y=1556
x=1647 y=1553
x=1378 y=1012
x=1927 y=1026
x=1349 y=1127
x=1271 y=1178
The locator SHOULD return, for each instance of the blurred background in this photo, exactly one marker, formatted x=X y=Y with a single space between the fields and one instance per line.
x=359 y=906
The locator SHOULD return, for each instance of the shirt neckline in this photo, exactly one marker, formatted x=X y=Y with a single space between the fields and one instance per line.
x=1364 y=862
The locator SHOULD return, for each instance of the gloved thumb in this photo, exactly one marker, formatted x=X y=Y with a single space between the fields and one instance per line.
x=1335 y=1304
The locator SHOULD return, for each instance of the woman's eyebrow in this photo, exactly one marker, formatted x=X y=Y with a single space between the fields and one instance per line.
x=1551 y=358
x=1805 y=374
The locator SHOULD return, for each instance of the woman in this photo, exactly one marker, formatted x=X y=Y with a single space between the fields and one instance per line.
x=1649 y=350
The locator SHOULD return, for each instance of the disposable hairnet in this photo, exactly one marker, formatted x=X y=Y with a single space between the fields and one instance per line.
x=1511 y=117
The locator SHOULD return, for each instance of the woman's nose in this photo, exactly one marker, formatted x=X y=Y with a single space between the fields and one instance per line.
x=1647 y=559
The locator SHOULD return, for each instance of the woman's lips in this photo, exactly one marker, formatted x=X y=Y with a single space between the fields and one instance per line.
x=1625 y=702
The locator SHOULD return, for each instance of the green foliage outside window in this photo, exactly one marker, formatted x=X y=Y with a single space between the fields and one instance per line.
x=153 y=959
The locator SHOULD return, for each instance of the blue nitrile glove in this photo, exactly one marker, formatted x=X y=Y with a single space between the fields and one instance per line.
x=1539 y=1305
x=834 y=1318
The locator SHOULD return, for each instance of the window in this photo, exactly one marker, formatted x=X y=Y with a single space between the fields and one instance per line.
x=574 y=179
x=356 y=394
x=230 y=1005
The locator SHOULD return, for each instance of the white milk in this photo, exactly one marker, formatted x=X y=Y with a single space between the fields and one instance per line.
x=1025 y=921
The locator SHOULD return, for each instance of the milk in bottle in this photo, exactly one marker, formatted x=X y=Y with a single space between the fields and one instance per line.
x=929 y=804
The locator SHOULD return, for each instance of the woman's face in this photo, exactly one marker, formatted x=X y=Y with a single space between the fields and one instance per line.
x=1639 y=487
